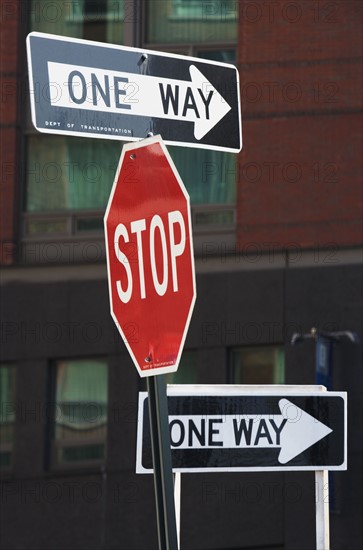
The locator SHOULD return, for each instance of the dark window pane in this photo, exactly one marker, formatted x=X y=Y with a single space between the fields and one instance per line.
x=86 y=452
x=187 y=372
x=7 y=414
x=258 y=365
x=100 y=20
x=85 y=225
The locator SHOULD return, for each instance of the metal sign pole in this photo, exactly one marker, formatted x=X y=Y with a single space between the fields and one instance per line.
x=177 y=498
x=322 y=509
x=163 y=474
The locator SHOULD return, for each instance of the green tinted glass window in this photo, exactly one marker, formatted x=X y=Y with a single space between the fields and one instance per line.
x=66 y=173
x=183 y=21
x=209 y=176
x=7 y=414
x=100 y=20
x=80 y=413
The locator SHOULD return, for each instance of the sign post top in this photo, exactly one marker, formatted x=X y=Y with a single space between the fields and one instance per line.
x=91 y=89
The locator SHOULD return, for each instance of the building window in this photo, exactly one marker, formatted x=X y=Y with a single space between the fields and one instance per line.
x=258 y=365
x=187 y=372
x=99 y=20
x=7 y=414
x=187 y=21
x=209 y=176
x=80 y=412
x=205 y=10
x=66 y=173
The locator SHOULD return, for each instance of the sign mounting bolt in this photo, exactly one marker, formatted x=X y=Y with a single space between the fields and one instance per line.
x=142 y=59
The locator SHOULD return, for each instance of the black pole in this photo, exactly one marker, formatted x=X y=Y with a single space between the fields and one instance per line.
x=163 y=474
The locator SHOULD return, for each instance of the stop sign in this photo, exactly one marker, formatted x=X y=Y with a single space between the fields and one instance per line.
x=150 y=258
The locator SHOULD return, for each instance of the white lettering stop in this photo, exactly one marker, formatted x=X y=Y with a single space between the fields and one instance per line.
x=170 y=252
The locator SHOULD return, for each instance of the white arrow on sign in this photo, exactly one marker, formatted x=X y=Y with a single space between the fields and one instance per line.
x=294 y=431
x=300 y=432
x=95 y=89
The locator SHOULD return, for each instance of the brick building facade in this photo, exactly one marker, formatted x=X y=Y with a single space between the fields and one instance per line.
x=300 y=170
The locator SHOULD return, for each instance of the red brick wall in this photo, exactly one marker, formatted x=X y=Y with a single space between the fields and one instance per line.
x=9 y=29
x=300 y=170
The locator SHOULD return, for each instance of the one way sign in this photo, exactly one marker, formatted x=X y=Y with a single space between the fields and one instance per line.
x=232 y=428
x=80 y=87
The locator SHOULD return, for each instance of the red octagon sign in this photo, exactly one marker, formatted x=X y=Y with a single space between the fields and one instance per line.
x=150 y=258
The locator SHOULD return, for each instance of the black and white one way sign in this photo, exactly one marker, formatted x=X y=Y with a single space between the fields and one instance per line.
x=233 y=429
x=80 y=87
